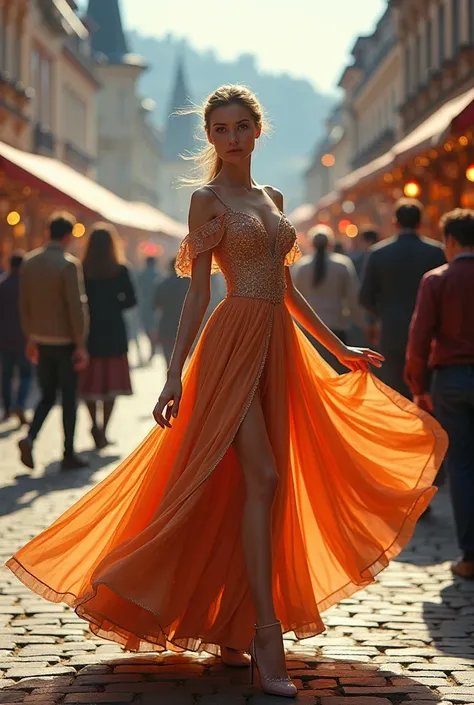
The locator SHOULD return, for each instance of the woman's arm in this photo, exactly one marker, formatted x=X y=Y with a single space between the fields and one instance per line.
x=353 y=358
x=126 y=297
x=195 y=305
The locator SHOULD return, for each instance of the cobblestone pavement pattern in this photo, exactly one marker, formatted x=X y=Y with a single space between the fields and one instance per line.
x=406 y=639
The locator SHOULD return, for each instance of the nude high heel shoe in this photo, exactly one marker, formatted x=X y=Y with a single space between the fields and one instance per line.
x=271 y=686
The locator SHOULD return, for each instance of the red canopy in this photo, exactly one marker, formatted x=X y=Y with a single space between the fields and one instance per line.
x=61 y=181
x=454 y=116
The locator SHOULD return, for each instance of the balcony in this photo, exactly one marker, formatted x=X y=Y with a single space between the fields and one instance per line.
x=43 y=141
x=14 y=98
x=77 y=159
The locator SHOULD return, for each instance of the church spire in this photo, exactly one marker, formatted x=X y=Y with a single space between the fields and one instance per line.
x=179 y=129
x=109 y=38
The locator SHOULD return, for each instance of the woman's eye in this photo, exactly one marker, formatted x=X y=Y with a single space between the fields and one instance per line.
x=220 y=129
x=245 y=127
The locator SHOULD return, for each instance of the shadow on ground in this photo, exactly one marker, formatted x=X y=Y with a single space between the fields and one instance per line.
x=184 y=680
x=27 y=488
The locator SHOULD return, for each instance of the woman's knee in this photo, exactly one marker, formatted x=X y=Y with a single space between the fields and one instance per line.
x=262 y=482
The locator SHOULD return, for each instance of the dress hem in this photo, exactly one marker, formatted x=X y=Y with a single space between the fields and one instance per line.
x=308 y=629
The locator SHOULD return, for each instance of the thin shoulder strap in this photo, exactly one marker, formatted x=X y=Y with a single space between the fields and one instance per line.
x=211 y=188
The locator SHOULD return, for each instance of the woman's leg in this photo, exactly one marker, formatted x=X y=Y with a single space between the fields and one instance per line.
x=256 y=459
x=108 y=408
x=92 y=407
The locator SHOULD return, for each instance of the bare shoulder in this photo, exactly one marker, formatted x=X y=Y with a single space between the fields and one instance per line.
x=275 y=195
x=204 y=207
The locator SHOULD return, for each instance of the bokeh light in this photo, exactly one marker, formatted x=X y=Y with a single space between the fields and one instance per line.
x=412 y=189
x=328 y=160
x=470 y=172
x=352 y=230
x=348 y=206
x=343 y=225
x=13 y=218
x=78 y=230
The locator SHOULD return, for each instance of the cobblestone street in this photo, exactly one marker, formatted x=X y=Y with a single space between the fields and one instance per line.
x=409 y=638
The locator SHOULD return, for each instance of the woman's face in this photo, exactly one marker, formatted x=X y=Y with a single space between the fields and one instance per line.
x=232 y=131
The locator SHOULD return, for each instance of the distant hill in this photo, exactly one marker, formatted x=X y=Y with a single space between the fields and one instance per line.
x=294 y=108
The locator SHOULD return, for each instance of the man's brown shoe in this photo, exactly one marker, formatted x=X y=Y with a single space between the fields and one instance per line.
x=73 y=462
x=26 y=452
x=463 y=569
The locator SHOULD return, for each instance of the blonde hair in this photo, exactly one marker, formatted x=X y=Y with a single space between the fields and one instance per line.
x=207 y=164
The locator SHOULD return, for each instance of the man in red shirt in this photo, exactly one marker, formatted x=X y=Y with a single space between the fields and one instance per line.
x=442 y=338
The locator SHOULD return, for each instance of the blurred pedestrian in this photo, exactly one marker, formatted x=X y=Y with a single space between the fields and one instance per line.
x=390 y=284
x=148 y=280
x=110 y=292
x=169 y=300
x=328 y=281
x=132 y=322
x=12 y=343
x=54 y=318
x=365 y=240
x=442 y=338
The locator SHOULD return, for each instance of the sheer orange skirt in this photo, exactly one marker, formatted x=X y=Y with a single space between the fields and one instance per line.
x=152 y=556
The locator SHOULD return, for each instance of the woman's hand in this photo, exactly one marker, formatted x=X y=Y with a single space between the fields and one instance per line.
x=169 y=399
x=359 y=358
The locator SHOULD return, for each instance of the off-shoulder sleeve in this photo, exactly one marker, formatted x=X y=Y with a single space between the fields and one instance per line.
x=205 y=238
x=293 y=255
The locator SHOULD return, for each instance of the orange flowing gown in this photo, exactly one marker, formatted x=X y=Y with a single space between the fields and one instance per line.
x=152 y=557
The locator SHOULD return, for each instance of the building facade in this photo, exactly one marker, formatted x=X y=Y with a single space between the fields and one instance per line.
x=331 y=158
x=129 y=153
x=436 y=40
x=367 y=120
x=48 y=82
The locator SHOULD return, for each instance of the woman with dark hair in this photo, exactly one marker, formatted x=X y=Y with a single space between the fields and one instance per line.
x=109 y=291
x=328 y=281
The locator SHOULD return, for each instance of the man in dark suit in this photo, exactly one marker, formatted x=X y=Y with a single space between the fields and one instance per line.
x=390 y=282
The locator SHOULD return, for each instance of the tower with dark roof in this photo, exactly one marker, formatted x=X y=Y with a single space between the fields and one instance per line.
x=178 y=140
x=179 y=129
x=109 y=38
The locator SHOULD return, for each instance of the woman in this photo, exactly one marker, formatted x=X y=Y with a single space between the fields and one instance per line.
x=110 y=292
x=328 y=281
x=271 y=487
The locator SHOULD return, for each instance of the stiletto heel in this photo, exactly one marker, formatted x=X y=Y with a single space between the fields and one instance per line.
x=271 y=686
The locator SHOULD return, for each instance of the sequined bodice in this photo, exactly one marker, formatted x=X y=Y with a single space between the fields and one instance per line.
x=247 y=261
x=253 y=265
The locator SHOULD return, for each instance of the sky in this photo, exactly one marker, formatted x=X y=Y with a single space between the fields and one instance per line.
x=306 y=38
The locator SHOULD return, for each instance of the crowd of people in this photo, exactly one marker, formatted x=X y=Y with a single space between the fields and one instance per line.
x=72 y=322
x=410 y=297
x=407 y=295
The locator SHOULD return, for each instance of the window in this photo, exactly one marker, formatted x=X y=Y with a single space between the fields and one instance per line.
x=16 y=55
x=45 y=89
x=41 y=79
x=407 y=70
x=456 y=26
x=3 y=40
x=429 y=45
x=471 y=20
x=418 y=60
x=75 y=116
x=441 y=34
